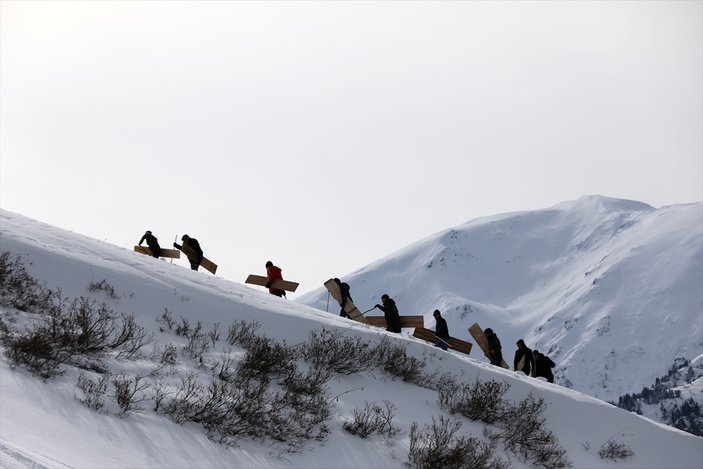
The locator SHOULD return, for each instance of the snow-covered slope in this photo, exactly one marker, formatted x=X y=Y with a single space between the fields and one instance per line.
x=43 y=424
x=611 y=290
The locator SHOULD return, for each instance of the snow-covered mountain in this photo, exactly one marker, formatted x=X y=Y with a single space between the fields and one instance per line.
x=611 y=290
x=57 y=422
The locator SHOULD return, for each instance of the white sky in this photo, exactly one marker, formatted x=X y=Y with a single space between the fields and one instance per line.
x=325 y=135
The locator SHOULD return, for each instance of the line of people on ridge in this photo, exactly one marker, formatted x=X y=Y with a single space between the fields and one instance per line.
x=531 y=362
x=195 y=257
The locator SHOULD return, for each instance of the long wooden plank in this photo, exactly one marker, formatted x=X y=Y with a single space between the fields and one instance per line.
x=482 y=341
x=453 y=343
x=349 y=307
x=206 y=263
x=279 y=284
x=405 y=321
x=167 y=253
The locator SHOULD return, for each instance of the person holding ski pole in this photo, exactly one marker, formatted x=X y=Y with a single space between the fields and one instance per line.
x=390 y=311
x=441 y=331
x=194 y=251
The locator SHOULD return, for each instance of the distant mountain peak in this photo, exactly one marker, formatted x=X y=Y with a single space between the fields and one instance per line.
x=600 y=202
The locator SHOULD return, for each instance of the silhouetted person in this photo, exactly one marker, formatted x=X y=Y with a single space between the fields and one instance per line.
x=495 y=353
x=344 y=292
x=152 y=242
x=543 y=366
x=195 y=257
x=441 y=331
x=274 y=273
x=390 y=311
x=525 y=354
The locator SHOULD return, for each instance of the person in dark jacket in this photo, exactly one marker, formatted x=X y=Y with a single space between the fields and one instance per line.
x=523 y=354
x=441 y=331
x=346 y=296
x=495 y=353
x=274 y=273
x=152 y=242
x=196 y=256
x=390 y=311
x=543 y=366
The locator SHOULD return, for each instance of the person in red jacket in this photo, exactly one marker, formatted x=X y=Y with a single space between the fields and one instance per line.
x=273 y=273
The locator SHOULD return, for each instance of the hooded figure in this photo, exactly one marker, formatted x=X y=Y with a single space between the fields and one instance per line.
x=543 y=366
x=344 y=292
x=390 y=311
x=495 y=353
x=523 y=354
x=441 y=331
x=196 y=255
x=274 y=273
x=152 y=242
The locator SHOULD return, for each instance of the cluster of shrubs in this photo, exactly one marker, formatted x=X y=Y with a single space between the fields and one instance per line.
x=74 y=332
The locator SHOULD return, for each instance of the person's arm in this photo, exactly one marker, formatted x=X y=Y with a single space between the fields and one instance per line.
x=142 y=240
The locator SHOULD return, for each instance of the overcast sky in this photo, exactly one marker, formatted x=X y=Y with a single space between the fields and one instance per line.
x=326 y=135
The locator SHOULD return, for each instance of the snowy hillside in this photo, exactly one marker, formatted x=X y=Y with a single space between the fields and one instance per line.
x=50 y=423
x=610 y=289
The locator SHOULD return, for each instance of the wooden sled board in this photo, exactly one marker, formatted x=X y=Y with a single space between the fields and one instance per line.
x=206 y=263
x=482 y=341
x=405 y=321
x=260 y=280
x=349 y=308
x=453 y=343
x=168 y=253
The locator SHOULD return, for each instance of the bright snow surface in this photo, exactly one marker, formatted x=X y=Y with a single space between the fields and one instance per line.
x=42 y=424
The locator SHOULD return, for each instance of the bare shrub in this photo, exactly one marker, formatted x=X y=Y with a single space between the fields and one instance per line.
x=130 y=337
x=161 y=392
x=373 y=418
x=265 y=357
x=128 y=393
x=198 y=342
x=94 y=391
x=342 y=355
x=438 y=445
x=167 y=320
x=615 y=451
x=522 y=429
x=169 y=355
x=394 y=360
x=214 y=334
x=226 y=368
x=183 y=328
x=242 y=333
x=482 y=400
x=18 y=289
x=105 y=287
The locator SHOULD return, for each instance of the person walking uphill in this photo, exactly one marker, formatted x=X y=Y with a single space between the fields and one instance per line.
x=344 y=292
x=390 y=311
x=195 y=254
x=441 y=331
x=152 y=242
x=495 y=353
x=274 y=273
x=543 y=366
x=524 y=361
